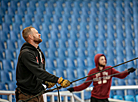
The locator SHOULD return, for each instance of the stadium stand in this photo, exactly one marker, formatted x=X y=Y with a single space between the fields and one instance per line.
x=73 y=31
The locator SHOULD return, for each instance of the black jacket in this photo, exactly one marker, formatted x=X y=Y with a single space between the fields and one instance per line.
x=30 y=71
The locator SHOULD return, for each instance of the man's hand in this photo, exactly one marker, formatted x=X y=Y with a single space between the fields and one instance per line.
x=70 y=89
x=49 y=84
x=130 y=70
x=63 y=83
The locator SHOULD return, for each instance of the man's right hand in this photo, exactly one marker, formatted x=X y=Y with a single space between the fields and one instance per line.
x=63 y=83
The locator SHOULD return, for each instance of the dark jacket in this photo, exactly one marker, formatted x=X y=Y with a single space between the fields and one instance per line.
x=30 y=71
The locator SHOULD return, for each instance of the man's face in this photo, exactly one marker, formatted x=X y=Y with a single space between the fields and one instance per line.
x=36 y=36
x=102 y=61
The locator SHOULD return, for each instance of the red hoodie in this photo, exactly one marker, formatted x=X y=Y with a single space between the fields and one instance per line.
x=101 y=89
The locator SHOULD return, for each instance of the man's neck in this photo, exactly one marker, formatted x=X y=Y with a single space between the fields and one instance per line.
x=100 y=68
x=34 y=44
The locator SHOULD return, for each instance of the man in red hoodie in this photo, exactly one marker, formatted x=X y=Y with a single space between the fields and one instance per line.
x=101 y=83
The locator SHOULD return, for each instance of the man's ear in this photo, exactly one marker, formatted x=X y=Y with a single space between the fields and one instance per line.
x=30 y=36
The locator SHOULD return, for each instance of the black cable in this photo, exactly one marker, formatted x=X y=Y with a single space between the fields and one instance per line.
x=104 y=70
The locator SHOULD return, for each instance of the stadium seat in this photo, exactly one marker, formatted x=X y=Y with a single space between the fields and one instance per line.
x=7 y=65
x=82 y=43
x=4 y=76
x=50 y=64
x=6 y=27
x=21 y=10
x=2 y=11
x=37 y=19
x=20 y=42
x=62 y=44
x=70 y=74
x=16 y=27
x=91 y=51
x=81 y=63
x=72 y=53
x=90 y=62
x=129 y=98
x=60 y=73
x=73 y=34
x=136 y=98
x=11 y=11
x=54 y=35
x=9 y=54
x=62 y=53
x=36 y=26
x=71 y=63
x=11 y=44
x=72 y=44
x=8 y=19
x=44 y=35
x=52 y=44
x=64 y=35
x=118 y=97
x=51 y=53
x=18 y=19
x=61 y=64
x=82 y=53
x=3 y=36
x=28 y=19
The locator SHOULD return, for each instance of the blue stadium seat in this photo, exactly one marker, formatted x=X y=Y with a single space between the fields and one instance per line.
x=82 y=35
x=110 y=51
x=70 y=74
x=2 y=11
x=11 y=44
x=8 y=19
x=50 y=64
x=4 y=76
x=81 y=63
x=62 y=44
x=64 y=26
x=6 y=27
x=37 y=19
x=49 y=12
x=3 y=35
x=65 y=19
x=71 y=63
x=11 y=11
x=7 y=65
x=41 y=5
x=62 y=53
x=16 y=27
x=90 y=62
x=118 y=97
x=21 y=10
x=121 y=82
x=71 y=44
x=91 y=43
x=23 y=4
x=91 y=51
x=73 y=34
x=52 y=44
x=136 y=98
x=32 y=4
x=61 y=64
x=129 y=98
x=57 y=16
x=30 y=11
x=110 y=60
x=2 y=46
x=60 y=73
x=51 y=53
x=82 y=43
x=54 y=35
x=9 y=54
x=82 y=52
x=100 y=42
x=18 y=19
x=55 y=27
x=64 y=34
x=13 y=4
x=72 y=53
x=120 y=51
x=28 y=19
x=36 y=26
x=20 y=42
x=4 y=4
x=45 y=27
x=44 y=35
x=120 y=92
x=92 y=34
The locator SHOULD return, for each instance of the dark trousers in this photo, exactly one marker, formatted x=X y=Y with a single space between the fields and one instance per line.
x=99 y=100
x=23 y=96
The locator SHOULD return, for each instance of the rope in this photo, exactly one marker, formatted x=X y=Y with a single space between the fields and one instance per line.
x=104 y=70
